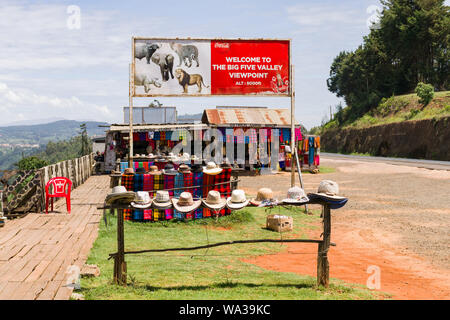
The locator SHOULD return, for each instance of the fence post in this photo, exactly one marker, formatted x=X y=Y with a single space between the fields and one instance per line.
x=323 y=267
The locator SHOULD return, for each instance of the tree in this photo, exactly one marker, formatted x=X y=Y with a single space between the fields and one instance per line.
x=425 y=92
x=31 y=163
x=410 y=46
x=85 y=145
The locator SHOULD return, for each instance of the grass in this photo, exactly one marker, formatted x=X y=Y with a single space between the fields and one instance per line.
x=216 y=273
x=405 y=108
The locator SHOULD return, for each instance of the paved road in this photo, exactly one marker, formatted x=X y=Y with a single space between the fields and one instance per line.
x=419 y=163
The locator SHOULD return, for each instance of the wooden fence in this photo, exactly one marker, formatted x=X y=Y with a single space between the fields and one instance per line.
x=25 y=190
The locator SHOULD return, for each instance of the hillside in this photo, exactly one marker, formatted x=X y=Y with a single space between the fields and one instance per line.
x=24 y=140
x=395 y=109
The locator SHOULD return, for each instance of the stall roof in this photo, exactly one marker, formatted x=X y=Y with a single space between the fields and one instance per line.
x=156 y=127
x=231 y=117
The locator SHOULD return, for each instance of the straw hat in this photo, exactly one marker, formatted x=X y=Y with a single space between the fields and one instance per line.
x=162 y=200
x=212 y=168
x=120 y=194
x=237 y=200
x=214 y=201
x=328 y=190
x=296 y=195
x=129 y=171
x=264 y=194
x=185 y=203
x=184 y=169
x=142 y=200
x=169 y=169
x=154 y=170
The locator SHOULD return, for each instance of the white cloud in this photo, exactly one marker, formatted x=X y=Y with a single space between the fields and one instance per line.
x=20 y=103
x=323 y=15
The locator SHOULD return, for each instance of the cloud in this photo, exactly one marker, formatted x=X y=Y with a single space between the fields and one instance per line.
x=20 y=103
x=323 y=15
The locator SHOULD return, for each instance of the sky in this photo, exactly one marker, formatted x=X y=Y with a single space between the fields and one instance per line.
x=52 y=67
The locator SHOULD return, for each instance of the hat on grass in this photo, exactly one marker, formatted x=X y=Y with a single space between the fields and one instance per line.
x=120 y=194
x=263 y=195
x=162 y=200
x=142 y=200
x=212 y=168
x=296 y=195
x=237 y=200
x=185 y=203
x=214 y=201
x=328 y=190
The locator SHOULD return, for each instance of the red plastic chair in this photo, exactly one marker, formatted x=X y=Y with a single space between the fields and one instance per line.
x=60 y=184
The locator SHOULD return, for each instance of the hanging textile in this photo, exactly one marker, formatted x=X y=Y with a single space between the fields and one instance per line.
x=179 y=183
x=147 y=214
x=311 y=150
x=198 y=181
x=127 y=181
x=138 y=215
x=158 y=214
x=148 y=183
x=127 y=214
x=298 y=134
x=188 y=181
x=169 y=183
x=168 y=214
x=208 y=181
x=158 y=182
x=138 y=182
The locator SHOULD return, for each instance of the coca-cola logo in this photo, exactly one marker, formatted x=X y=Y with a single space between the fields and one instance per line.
x=222 y=45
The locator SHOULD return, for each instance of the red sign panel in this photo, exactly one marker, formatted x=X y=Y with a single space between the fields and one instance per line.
x=249 y=67
x=198 y=67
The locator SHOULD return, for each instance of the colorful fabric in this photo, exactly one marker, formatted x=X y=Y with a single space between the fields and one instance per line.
x=127 y=214
x=198 y=181
x=311 y=150
x=286 y=135
x=158 y=182
x=188 y=181
x=127 y=181
x=138 y=215
x=198 y=214
x=135 y=136
x=224 y=176
x=157 y=136
x=317 y=142
x=169 y=183
x=138 y=182
x=229 y=134
x=168 y=214
x=123 y=166
x=298 y=134
x=158 y=215
x=253 y=137
x=178 y=215
x=179 y=183
x=147 y=184
x=263 y=135
x=317 y=160
x=208 y=183
x=160 y=165
x=148 y=214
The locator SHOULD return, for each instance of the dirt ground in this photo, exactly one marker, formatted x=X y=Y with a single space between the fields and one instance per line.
x=397 y=219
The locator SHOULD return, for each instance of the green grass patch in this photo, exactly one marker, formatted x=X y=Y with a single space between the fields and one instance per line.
x=214 y=273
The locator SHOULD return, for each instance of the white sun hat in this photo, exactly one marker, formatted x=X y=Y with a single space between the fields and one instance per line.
x=212 y=168
x=237 y=200
x=214 y=201
x=329 y=190
x=186 y=203
x=162 y=200
x=296 y=195
x=120 y=194
x=142 y=200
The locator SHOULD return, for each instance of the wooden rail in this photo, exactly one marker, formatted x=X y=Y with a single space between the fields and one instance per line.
x=323 y=270
x=26 y=192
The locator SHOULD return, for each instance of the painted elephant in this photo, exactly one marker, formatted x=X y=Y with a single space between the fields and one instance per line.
x=144 y=80
x=146 y=50
x=165 y=63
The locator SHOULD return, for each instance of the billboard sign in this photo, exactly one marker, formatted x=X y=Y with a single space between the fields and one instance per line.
x=202 y=67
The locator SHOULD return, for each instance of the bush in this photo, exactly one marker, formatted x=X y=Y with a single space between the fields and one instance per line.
x=425 y=92
x=31 y=163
